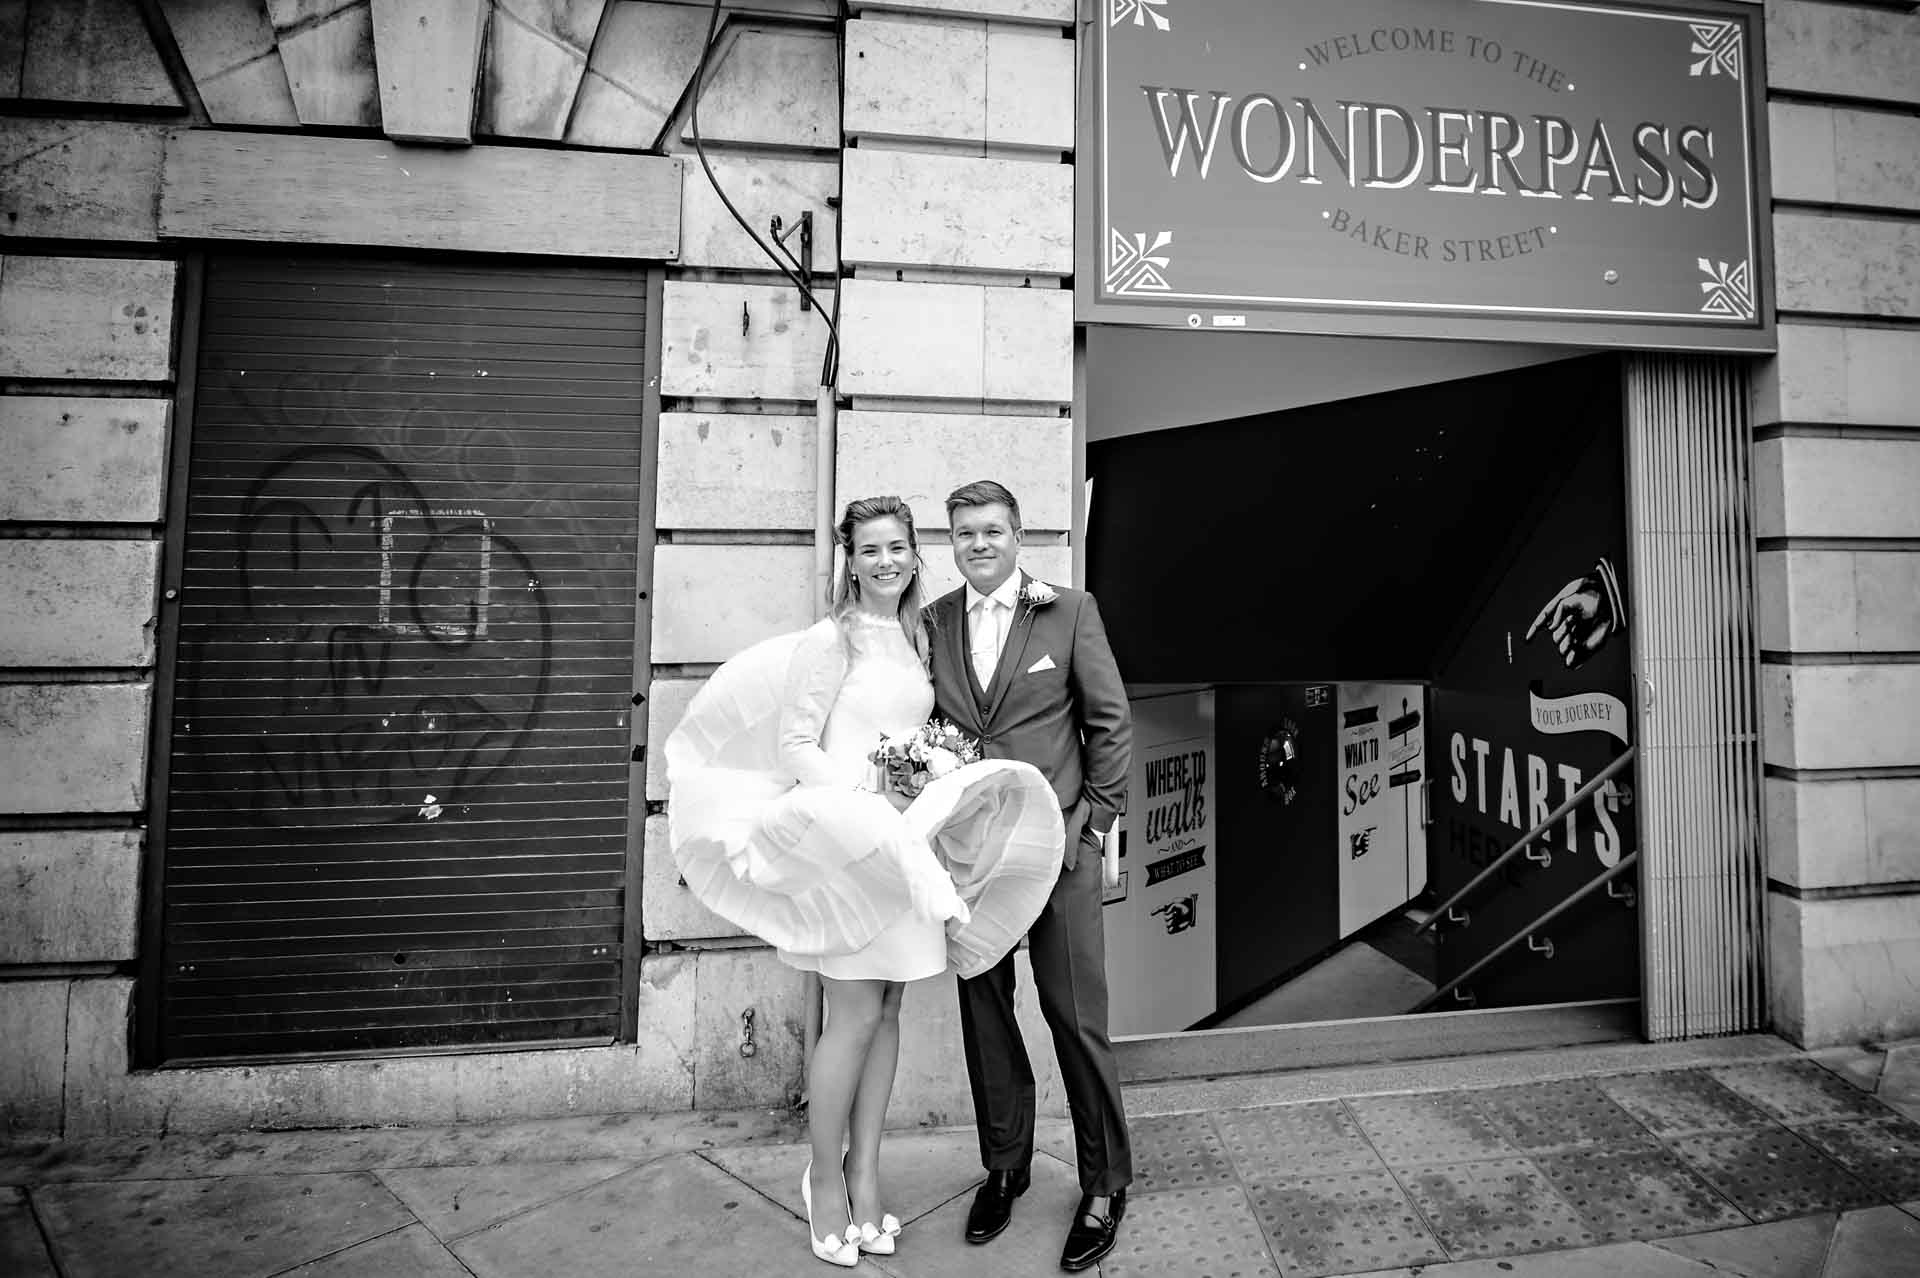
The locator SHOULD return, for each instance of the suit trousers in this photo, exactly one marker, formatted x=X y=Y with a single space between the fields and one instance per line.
x=1067 y=945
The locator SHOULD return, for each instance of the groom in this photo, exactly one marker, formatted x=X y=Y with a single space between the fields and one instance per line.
x=1026 y=668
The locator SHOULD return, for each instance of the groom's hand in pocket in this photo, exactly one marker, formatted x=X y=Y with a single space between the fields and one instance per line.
x=1076 y=822
x=1091 y=845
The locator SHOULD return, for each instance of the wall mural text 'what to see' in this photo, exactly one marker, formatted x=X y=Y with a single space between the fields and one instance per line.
x=1429 y=168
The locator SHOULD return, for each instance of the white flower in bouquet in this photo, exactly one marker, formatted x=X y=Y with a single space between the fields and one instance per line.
x=935 y=749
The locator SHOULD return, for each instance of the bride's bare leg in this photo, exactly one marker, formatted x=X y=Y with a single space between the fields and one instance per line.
x=839 y=1062
x=870 y=1109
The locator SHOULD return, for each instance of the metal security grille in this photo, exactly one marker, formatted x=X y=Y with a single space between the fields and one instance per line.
x=398 y=781
x=1702 y=875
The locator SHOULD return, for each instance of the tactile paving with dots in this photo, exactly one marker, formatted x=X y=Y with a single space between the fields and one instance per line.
x=1500 y=1207
x=1799 y=1091
x=1185 y=1232
x=1342 y=1223
x=1772 y=1174
x=1427 y=1128
x=1177 y=1151
x=1281 y=1141
x=1883 y=1152
x=1680 y=1101
x=1565 y=1114
x=1634 y=1193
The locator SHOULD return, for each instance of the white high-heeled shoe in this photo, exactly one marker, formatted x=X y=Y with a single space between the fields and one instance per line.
x=832 y=1248
x=877 y=1240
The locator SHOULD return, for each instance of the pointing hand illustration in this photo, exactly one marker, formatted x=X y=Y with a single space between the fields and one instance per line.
x=1583 y=615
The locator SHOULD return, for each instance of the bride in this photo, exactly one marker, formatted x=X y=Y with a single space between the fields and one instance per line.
x=781 y=823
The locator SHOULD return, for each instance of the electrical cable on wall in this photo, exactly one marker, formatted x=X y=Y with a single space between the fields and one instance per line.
x=699 y=149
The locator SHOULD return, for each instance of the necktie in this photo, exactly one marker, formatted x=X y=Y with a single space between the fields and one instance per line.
x=986 y=640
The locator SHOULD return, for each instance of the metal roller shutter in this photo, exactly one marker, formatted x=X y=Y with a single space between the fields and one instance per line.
x=398 y=785
x=1703 y=877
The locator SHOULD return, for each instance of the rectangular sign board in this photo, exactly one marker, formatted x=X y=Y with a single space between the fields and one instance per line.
x=1502 y=169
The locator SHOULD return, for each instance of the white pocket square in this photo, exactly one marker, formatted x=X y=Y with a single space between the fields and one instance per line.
x=1045 y=663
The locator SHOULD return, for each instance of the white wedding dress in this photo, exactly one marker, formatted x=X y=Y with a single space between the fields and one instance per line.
x=775 y=825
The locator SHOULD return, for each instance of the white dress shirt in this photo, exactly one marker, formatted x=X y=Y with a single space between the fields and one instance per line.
x=989 y=620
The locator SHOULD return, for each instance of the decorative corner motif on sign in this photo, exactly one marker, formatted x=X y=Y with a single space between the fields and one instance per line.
x=1140 y=11
x=1134 y=265
x=1728 y=289
x=1716 y=48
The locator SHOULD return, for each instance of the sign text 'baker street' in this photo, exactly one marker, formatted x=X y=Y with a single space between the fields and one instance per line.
x=1480 y=160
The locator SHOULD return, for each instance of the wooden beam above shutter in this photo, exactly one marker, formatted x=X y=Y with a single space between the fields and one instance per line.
x=285 y=189
x=428 y=57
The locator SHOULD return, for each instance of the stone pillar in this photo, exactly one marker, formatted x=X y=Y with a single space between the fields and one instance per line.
x=86 y=358
x=1837 y=501
x=957 y=321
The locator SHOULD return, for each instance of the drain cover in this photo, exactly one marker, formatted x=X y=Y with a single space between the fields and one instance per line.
x=1882 y=1152
x=1636 y=1193
x=1772 y=1173
x=1282 y=1141
x=1188 y=1232
x=1177 y=1151
x=1558 y=1115
x=1675 y=1102
x=1799 y=1092
x=1427 y=1128
x=1342 y=1223
x=1500 y=1207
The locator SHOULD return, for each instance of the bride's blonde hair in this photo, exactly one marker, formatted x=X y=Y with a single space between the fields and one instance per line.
x=846 y=586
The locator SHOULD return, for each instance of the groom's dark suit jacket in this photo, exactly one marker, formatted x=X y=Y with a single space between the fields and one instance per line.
x=1056 y=700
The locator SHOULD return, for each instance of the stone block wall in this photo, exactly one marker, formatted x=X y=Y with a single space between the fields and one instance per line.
x=89 y=338
x=1837 y=504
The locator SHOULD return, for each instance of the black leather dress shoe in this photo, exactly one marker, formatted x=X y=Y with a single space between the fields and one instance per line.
x=993 y=1206
x=1092 y=1234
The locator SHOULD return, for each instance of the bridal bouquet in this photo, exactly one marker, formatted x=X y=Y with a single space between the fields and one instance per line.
x=909 y=760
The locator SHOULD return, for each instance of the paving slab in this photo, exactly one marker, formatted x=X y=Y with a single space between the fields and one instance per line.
x=1799 y=1091
x=1772 y=1174
x=1182 y=1233
x=632 y=1137
x=1284 y=1087
x=1794 y=1248
x=228 y=1227
x=1880 y=1242
x=1861 y=1066
x=1341 y=1222
x=679 y=1215
x=1883 y=1152
x=919 y=1172
x=1280 y=1142
x=412 y=1252
x=1620 y=1260
x=455 y=1201
x=23 y=1254
x=1430 y=1127
x=1568 y=1114
x=1056 y=1137
x=1636 y=1193
x=935 y=1246
x=1682 y=1101
x=1177 y=1151
x=1900 y=1078
x=1499 y=1207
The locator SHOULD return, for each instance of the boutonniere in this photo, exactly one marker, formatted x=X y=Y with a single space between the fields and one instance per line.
x=1037 y=593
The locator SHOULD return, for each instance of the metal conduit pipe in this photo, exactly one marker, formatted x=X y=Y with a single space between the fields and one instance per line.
x=826 y=419
x=826 y=422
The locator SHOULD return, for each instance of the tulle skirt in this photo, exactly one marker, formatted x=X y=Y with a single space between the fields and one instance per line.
x=821 y=874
